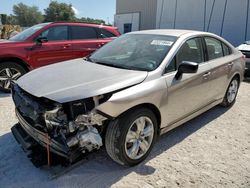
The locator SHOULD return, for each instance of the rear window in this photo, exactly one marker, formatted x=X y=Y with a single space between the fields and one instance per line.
x=214 y=48
x=83 y=33
x=226 y=49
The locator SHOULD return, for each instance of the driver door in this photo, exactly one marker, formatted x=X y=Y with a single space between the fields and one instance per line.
x=191 y=92
x=57 y=49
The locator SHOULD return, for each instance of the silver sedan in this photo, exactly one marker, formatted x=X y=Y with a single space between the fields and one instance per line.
x=132 y=90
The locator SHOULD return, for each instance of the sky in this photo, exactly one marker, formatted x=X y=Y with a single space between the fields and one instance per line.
x=99 y=9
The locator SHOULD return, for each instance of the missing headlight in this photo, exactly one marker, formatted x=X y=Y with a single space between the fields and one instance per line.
x=55 y=117
x=78 y=124
x=84 y=106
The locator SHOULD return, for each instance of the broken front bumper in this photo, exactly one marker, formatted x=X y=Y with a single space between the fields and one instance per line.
x=247 y=70
x=28 y=137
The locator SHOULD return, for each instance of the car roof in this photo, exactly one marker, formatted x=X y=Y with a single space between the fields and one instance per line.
x=169 y=32
x=181 y=33
x=82 y=24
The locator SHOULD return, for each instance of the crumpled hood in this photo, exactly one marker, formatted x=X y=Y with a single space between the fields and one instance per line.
x=77 y=79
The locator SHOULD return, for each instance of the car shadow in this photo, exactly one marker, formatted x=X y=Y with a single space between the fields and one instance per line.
x=99 y=169
x=247 y=79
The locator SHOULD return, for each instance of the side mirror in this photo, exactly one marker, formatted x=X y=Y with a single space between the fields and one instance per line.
x=41 y=40
x=186 y=67
x=103 y=36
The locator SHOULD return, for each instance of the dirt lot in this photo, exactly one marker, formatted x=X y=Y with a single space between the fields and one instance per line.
x=212 y=150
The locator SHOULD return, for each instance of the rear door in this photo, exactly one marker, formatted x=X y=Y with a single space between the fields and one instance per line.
x=192 y=91
x=58 y=48
x=221 y=62
x=85 y=40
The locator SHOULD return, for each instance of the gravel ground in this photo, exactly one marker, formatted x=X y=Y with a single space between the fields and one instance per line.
x=213 y=150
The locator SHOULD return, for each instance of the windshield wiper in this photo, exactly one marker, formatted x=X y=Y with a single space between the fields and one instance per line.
x=88 y=59
x=112 y=65
x=115 y=65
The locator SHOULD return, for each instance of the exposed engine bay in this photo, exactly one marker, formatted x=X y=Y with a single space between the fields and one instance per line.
x=68 y=130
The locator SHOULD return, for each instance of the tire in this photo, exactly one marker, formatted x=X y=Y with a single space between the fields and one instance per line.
x=118 y=146
x=15 y=72
x=231 y=93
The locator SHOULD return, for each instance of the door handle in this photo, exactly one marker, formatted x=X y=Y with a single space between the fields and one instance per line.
x=101 y=44
x=230 y=65
x=206 y=75
x=66 y=46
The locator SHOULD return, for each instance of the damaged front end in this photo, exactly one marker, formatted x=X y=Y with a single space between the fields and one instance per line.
x=67 y=130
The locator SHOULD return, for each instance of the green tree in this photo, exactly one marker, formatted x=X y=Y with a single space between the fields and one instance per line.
x=27 y=15
x=11 y=20
x=8 y=19
x=3 y=18
x=59 y=12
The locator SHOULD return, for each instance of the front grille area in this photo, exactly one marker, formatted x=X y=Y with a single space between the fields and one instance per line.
x=31 y=108
x=246 y=53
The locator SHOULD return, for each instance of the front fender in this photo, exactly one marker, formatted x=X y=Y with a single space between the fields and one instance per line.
x=150 y=92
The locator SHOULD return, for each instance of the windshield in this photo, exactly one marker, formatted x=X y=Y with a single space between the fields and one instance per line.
x=27 y=32
x=135 y=51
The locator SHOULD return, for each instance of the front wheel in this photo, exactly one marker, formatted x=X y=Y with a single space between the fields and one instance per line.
x=9 y=71
x=231 y=93
x=129 y=138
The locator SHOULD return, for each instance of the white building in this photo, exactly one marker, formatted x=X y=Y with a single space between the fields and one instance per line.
x=227 y=18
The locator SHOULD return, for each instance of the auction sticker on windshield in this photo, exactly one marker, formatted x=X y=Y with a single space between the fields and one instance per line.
x=162 y=43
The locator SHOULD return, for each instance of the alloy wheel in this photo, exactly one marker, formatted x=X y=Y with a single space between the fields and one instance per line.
x=139 y=138
x=7 y=75
x=232 y=91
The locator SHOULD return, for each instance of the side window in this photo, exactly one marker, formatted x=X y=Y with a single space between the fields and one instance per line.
x=106 y=34
x=214 y=48
x=82 y=32
x=57 y=33
x=226 y=50
x=191 y=50
x=172 y=66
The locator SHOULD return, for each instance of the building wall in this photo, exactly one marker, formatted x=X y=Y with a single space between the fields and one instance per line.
x=146 y=9
x=129 y=18
x=227 y=18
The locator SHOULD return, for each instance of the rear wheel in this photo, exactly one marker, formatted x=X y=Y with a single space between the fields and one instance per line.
x=231 y=94
x=129 y=139
x=9 y=71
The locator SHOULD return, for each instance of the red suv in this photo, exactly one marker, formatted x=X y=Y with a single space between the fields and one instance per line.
x=49 y=43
